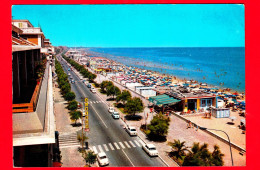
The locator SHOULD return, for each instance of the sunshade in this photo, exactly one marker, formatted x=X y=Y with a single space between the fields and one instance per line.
x=163 y=99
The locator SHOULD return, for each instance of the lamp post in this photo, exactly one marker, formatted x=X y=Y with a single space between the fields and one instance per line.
x=203 y=128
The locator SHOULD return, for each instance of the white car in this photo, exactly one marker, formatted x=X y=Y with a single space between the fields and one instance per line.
x=93 y=90
x=131 y=130
x=115 y=115
x=150 y=149
x=111 y=109
x=102 y=159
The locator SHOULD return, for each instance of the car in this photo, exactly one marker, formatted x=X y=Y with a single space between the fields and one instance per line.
x=72 y=81
x=68 y=69
x=68 y=74
x=102 y=159
x=93 y=90
x=131 y=130
x=150 y=149
x=111 y=109
x=115 y=115
x=89 y=85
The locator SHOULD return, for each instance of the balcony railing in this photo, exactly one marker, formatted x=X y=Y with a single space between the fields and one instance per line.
x=31 y=30
x=29 y=107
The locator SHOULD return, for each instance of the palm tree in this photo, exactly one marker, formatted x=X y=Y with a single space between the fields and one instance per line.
x=90 y=157
x=178 y=149
x=200 y=156
x=217 y=156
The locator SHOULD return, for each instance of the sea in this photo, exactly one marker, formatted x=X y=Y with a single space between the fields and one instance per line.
x=223 y=67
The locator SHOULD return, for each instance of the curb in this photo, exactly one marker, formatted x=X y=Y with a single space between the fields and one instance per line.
x=216 y=136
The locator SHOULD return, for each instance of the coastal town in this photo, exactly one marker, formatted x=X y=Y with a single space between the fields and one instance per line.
x=74 y=108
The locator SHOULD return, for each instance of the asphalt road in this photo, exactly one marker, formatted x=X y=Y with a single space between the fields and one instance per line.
x=108 y=135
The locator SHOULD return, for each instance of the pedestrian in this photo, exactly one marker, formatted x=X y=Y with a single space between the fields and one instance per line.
x=188 y=124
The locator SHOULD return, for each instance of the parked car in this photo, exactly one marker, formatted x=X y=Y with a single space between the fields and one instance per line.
x=131 y=130
x=89 y=85
x=150 y=149
x=102 y=159
x=115 y=115
x=111 y=109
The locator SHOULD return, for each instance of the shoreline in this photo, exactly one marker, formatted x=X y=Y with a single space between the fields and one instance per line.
x=175 y=79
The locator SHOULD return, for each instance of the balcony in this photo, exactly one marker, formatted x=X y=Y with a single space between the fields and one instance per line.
x=33 y=123
x=31 y=30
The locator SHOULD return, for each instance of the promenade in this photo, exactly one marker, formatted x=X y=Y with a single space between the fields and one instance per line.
x=178 y=130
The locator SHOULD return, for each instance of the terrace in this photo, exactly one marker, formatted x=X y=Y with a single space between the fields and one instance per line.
x=33 y=122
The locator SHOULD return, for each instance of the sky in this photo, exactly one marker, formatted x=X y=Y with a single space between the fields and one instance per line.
x=156 y=25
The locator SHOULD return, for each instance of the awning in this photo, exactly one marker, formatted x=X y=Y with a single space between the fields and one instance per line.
x=163 y=100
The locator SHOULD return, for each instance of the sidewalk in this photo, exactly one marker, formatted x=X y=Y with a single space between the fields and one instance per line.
x=178 y=130
x=70 y=155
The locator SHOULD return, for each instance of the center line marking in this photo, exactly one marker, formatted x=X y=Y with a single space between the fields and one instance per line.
x=128 y=158
x=99 y=116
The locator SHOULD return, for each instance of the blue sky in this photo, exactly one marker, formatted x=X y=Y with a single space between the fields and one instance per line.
x=165 y=25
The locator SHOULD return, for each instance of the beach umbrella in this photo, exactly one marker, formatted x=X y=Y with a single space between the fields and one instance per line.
x=243 y=121
x=233 y=118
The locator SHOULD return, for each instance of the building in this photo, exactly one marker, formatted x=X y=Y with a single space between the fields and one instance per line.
x=32 y=107
x=193 y=100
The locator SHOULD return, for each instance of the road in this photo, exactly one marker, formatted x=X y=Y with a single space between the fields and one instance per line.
x=109 y=135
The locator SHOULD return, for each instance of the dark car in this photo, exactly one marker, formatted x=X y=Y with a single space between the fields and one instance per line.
x=89 y=85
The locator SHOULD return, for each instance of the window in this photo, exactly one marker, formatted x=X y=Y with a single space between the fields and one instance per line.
x=20 y=25
x=203 y=103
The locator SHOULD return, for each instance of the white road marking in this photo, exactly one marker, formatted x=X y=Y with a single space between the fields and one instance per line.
x=100 y=148
x=142 y=143
x=127 y=144
x=90 y=102
x=132 y=143
x=128 y=158
x=105 y=146
x=94 y=102
x=99 y=117
x=117 y=147
x=95 y=149
x=111 y=146
x=70 y=146
x=121 y=144
x=138 y=144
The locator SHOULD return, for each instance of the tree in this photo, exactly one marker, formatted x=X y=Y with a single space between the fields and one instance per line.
x=134 y=105
x=70 y=96
x=217 y=156
x=73 y=105
x=105 y=84
x=200 y=156
x=75 y=115
x=113 y=91
x=90 y=157
x=124 y=96
x=158 y=128
x=65 y=88
x=178 y=149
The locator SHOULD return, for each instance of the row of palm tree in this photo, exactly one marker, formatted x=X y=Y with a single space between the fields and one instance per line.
x=197 y=155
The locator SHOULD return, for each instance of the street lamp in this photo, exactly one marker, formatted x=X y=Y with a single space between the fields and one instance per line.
x=203 y=128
